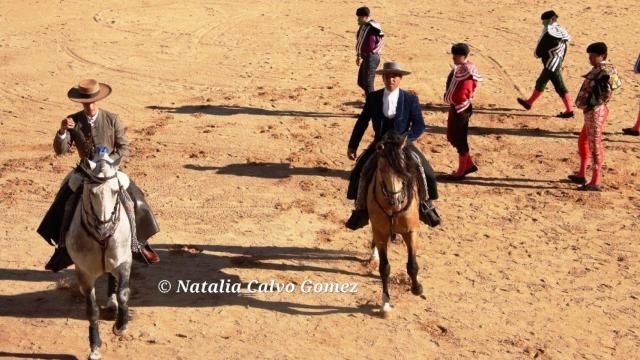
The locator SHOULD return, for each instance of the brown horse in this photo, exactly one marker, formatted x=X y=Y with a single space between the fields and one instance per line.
x=393 y=209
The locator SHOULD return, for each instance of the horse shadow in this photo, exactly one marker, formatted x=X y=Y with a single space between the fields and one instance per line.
x=229 y=110
x=358 y=104
x=270 y=170
x=197 y=263
x=37 y=356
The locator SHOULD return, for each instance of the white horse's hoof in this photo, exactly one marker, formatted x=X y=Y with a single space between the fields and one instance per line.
x=95 y=355
x=119 y=332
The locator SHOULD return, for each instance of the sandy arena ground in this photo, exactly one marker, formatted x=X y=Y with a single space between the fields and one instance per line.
x=239 y=114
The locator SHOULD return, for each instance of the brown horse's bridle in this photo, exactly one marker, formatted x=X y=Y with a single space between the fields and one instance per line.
x=392 y=215
x=390 y=195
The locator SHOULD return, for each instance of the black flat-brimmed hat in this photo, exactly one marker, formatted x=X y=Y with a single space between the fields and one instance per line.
x=599 y=48
x=363 y=11
x=88 y=91
x=460 y=49
x=547 y=15
x=392 y=67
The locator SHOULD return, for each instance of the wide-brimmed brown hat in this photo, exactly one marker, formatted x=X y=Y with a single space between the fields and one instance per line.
x=392 y=67
x=88 y=91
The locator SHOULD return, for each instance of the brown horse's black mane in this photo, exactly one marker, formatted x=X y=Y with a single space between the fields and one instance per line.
x=398 y=157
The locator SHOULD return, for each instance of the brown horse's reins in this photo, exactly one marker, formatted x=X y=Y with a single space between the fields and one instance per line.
x=393 y=214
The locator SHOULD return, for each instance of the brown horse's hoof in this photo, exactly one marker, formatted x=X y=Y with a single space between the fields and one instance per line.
x=386 y=314
x=385 y=311
x=416 y=289
x=95 y=355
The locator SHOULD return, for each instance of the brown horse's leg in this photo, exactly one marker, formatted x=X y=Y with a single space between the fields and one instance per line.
x=375 y=256
x=385 y=270
x=412 y=264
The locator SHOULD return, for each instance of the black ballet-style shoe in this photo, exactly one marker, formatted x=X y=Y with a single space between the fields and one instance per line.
x=577 y=179
x=590 y=187
x=358 y=219
x=470 y=170
x=524 y=103
x=566 y=115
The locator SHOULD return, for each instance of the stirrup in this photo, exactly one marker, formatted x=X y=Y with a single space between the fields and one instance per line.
x=428 y=214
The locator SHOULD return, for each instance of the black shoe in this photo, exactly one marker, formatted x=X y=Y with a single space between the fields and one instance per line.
x=630 y=131
x=589 y=187
x=358 y=219
x=428 y=214
x=565 y=115
x=470 y=170
x=577 y=179
x=60 y=260
x=524 y=103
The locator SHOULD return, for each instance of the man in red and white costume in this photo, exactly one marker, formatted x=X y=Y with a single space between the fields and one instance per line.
x=461 y=86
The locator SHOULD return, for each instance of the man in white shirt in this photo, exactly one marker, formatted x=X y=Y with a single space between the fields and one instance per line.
x=387 y=109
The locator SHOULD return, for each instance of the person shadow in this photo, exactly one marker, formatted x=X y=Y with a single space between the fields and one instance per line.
x=229 y=110
x=197 y=263
x=270 y=170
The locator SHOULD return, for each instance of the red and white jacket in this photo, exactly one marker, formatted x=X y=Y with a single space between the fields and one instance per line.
x=461 y=85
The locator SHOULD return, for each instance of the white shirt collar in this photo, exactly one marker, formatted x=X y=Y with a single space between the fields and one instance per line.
x=92 y=119
x=390 y=102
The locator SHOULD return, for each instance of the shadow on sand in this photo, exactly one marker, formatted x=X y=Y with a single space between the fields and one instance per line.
x=197 y=263
x=270 y=170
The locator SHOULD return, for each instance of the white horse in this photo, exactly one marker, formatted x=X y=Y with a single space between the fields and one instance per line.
x=99 y=240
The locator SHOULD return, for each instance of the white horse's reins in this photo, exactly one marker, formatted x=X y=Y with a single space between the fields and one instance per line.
x=114 y=220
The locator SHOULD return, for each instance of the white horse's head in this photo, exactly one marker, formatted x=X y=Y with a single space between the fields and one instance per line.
x=100 y=193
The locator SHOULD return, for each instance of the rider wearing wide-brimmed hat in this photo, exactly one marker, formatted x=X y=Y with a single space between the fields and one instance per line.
x=87 y=130
x=390 y=108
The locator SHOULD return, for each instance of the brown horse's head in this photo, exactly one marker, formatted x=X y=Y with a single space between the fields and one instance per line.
x=393 y=173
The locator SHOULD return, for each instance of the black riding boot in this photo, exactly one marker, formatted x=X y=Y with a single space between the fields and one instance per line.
x=359 y=218
x=428 y=214
x=59 y=260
